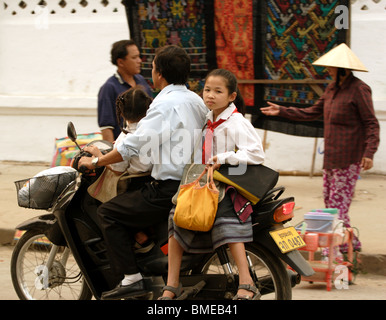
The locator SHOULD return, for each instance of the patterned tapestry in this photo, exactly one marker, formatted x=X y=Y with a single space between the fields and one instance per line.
x=265 y=40
x=187 y=23
x=297 y=32
x=234 y=46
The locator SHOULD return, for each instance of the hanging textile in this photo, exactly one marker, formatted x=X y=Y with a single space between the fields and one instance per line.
x=266 y=40
x=187 y=23
x=234 y=41
x=296 y=34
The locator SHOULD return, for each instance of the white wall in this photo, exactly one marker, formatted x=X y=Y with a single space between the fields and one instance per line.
x=368 y=42
x=52 y=56
x=51 y=68
x=52 y=65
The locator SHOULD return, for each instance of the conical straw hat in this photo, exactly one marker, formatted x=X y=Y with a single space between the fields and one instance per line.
x=341 y=57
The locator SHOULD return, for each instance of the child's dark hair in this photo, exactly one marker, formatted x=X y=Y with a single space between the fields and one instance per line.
x=132 y=105
x=232 y=86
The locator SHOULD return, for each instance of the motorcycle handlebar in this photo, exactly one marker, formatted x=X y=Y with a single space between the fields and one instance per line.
x=83 y=169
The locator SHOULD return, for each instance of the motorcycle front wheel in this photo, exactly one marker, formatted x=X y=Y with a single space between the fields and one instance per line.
x=270 y=273
x=33 y=280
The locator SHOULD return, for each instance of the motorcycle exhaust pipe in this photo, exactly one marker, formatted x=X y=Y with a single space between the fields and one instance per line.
x=295 y=278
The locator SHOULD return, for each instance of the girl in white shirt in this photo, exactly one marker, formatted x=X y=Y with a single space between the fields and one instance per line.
x=229 y=139
x=131 y=106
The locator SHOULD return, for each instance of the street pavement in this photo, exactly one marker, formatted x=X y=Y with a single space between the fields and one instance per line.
x=367 y=213
x=366 y=286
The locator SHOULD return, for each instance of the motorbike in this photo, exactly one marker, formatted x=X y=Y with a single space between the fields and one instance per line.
x=62 y=253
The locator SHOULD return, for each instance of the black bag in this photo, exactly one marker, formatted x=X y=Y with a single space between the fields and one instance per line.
x=251 y=181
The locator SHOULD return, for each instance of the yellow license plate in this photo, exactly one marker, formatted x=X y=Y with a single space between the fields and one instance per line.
x=287 y=239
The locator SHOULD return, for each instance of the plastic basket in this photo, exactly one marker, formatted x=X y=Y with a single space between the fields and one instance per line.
x=41 y=192
x=312 y=241
x=317 y=222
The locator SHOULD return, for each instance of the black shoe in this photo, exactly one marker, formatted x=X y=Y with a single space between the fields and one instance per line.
x=136 y=289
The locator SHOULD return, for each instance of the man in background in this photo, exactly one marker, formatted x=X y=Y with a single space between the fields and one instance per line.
x=125 y=55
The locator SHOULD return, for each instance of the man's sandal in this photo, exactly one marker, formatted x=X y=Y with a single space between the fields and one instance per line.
x=248 y=287
x=177 y=292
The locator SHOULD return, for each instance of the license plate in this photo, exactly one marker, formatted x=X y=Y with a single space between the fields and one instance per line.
x=287 y=239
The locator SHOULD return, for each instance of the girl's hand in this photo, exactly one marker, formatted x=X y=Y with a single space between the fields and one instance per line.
x=213 y=161
x=93 y=150
x=271 y=110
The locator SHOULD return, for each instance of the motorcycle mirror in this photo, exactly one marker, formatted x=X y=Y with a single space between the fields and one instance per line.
x=71 y=132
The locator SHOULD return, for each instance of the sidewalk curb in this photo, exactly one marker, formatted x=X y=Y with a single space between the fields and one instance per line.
x=373 y=263
x=6 y=236
x=369 y=263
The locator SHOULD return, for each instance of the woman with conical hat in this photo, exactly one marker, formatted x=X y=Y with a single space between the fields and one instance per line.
x=351 y=130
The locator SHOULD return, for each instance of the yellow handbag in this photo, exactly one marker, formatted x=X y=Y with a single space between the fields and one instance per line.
x=197 y=205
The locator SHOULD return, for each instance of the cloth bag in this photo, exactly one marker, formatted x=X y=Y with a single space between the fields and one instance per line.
x=243 y=207
x=110 y=184
x=193 y=170
x=197 y=205
x=65 y=149
x=190 y=174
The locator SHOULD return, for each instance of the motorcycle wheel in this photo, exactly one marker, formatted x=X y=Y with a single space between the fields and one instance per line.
x=272 y=277
x=30 y=279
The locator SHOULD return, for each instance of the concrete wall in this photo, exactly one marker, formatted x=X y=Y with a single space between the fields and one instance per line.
x=52 y=62
x=54 y=59
x=367 y=41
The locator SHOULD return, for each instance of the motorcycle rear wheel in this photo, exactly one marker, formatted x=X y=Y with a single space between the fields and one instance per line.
x=273 y=280
x=31 y=281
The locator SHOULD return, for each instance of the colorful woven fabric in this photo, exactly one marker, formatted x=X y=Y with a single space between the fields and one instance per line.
x=154 y=24
x=296 y=33
x=234 y=45
x=272 y=39
x=65 y=149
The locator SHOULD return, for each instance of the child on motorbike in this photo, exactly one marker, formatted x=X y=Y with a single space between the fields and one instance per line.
x=235 y=141
x=131 y=106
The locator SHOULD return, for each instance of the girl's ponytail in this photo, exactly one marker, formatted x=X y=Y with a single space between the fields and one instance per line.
x=239 y=102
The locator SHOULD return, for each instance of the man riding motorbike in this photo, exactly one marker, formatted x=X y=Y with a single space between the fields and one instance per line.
x=176 y=112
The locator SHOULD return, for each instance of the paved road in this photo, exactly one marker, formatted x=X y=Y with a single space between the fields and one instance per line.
x=366 y=287
x=367 y=213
